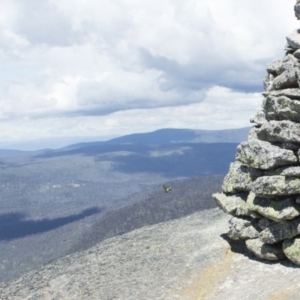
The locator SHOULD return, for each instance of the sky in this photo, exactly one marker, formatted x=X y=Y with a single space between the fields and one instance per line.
x=90 y=68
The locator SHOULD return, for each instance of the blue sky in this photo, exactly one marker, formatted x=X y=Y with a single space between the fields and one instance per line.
x=112 y=67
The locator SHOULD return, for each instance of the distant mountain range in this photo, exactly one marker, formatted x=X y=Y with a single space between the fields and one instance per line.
x=162 y=136
x=176 y=136
x=172 y=153
x=169 y=152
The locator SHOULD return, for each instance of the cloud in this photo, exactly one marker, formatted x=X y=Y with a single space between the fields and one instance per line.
x=221 y=108
x=102 y=59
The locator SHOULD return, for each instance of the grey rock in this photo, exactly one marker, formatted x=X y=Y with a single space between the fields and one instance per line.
x=255 y=173
x=238 y=179
x=297 y=54
x=244 y=211
x=268 y=82
x=280 y=131
x=285 y=171
x=235 y=205
x=291 y=248
x=279 y=66
x=288 y=49
x=281 y=108
x=290 y=93
x=288 y=146
x=297 y=10
x=285 y=72
x=265 y=251
x=259 y=118
x=294 y=39
x=263 y=155
x=288 y=79
x=230 y=204
x=274 y=186
x=274 y=209
x=147 y=263
x=263 y=223
x=273 y=67
x=252 y=135
x=280 y=231
x=242 y=229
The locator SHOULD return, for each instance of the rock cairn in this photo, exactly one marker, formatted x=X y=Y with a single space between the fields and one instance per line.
x=262 y=188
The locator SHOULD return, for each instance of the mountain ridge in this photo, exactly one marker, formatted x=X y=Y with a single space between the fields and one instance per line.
x=160 y=136
x=175 y=136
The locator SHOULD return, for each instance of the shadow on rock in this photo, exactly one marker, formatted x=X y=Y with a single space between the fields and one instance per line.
x=239 y=246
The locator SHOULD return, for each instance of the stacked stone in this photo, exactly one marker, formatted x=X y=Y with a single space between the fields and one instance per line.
x=262 y=188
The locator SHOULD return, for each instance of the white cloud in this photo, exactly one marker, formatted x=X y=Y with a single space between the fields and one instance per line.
x=106 y=61
x=221 y=108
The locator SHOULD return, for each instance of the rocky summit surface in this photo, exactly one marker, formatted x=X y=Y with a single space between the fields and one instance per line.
x=185 y=259
x=262 y=188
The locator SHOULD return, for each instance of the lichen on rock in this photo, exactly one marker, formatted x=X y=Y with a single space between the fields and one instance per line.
x=235 y=205
x=277 y=232
x=265 y=251
x=263 y=155
x=238 y=179
x=281 y=108
x=274 y=209
x=274 y=186
x=242 y=229
x=291 y=248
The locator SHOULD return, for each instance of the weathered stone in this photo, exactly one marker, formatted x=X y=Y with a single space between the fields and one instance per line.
x=259 y=118
x=263 y=223
x=242 y=229
x=288 y=146
x=279 y=66
x=252 y=135
x=263 y=155
x=297 y=9
x=294 y=39
x=297 y=54
x=272 y=186
x=238 y=179
x=230 y=204
x=273 y=67
x=290 y=93
x=288 y=79
x=291 y=248
x=285 y=171
x=254 y=173
x=280 y=231
x=281 y=108
x=265 y=251
x=285 y=72
x=268 y=82
x=276 y=209
x=279 y=131
x=244 y=211
x=288 y=49
x=235 y=205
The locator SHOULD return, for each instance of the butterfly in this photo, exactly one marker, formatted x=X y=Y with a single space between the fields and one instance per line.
x=167 y=188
